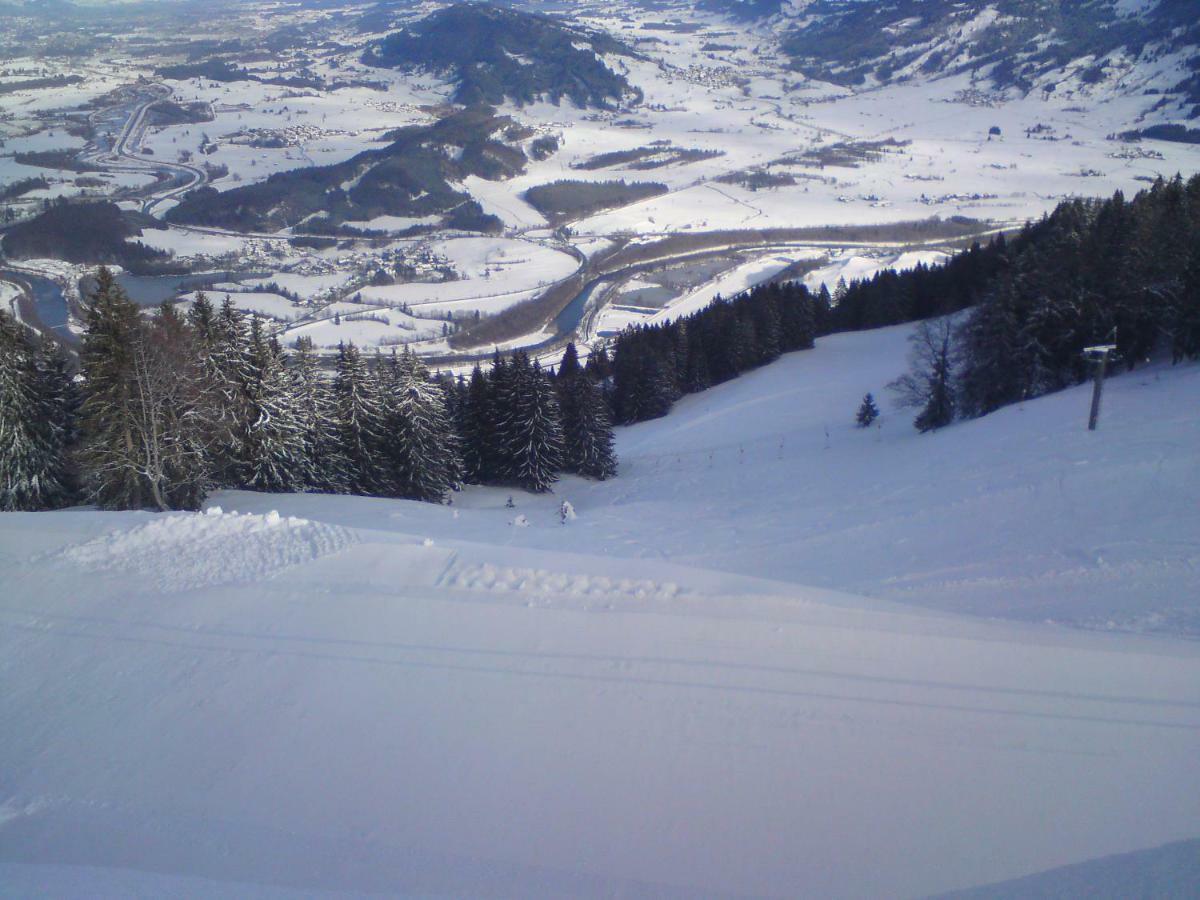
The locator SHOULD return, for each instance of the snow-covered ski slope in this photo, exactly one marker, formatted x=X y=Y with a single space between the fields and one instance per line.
x=701 y=687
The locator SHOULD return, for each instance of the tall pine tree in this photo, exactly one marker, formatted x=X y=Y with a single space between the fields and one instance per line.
x=34 y=422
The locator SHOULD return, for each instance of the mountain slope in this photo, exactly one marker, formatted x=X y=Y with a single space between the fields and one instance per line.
x=400 y=698
x=493 y=54
x=1023 y=45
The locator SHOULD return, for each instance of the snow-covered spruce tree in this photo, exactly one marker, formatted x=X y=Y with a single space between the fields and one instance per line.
x=34 y=424
x=276 y=457
x=868 y=412
x=325 y=469
x=929 y=383
x=420 y=447
x=225 y=355
x=360 y=421
x=532 y=432
x=56 y=372
x=108 y=443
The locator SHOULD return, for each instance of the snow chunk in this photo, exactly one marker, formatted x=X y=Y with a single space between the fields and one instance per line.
x=182 y=551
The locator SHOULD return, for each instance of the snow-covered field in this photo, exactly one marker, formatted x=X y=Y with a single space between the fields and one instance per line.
x=495 y=273
x=778 y=656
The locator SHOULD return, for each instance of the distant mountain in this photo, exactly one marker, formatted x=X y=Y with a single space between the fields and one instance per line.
x=1022 y=44
x=410 y=178
x=745 y=9
x=493 y=54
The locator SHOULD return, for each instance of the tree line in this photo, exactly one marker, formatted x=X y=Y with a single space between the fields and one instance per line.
x=654 y=365
x=1089 y=271
x=1118 y=271
x=165 y=408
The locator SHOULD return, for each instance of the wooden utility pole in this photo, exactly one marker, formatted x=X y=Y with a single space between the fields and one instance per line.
x=1098 y=356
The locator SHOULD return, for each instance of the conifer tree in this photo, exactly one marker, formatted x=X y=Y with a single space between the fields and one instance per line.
x=479 y=434
x=531 y=433
x=929 y=383
x=359 y=417
x=822 y=311
x=599 y=365
x=503 y=389
x=325 y=469
x=171 y=403
x=868 y=412
x=586 y=426
x=419 y=444
x=588 y=434
x=1185 y=325
x=275 y=451
x=226 y=360
x=34 y=422
x=108 y=451
x=569 y=367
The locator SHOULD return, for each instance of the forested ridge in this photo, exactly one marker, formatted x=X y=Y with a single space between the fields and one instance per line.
x=1125 y=270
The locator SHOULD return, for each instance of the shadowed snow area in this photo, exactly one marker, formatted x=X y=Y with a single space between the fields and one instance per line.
x=1171 y=872
x=778 y=656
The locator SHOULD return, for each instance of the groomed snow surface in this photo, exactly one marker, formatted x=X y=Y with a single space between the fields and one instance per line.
x=703 y=686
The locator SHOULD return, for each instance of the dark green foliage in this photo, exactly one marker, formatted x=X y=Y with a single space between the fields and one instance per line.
x=868 y=412
x=36 y=412
x=173 y=406
x=34 y=84
x=586 y=425
x=1089 y=271
x=654 y=365
x=22 y=186
x=80 y=233
x=212 y=69
x=564 y=200
x=478 y=430
x=1069 y=280
x=360 y=423
x=325 y=469
x=108 y=441
x=409 y=177
x=744 y=9
x=420 y=443
x=496 y=54
x=530 y=428
x=658 y=156
x=275 y=455
x=144 y=428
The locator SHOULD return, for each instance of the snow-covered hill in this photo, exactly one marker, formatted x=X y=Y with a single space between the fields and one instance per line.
x=1084 y=48
x=702 y=686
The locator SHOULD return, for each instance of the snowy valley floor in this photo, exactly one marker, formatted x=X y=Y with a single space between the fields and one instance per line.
x=778 y=656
